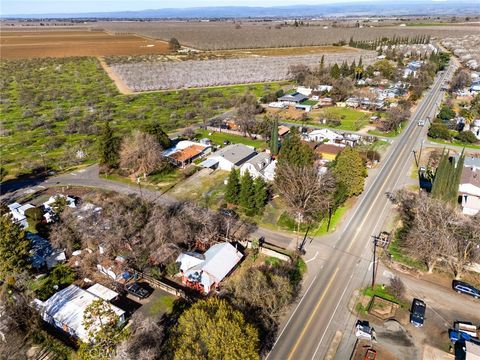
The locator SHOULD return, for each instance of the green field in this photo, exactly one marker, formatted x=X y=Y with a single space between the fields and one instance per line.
x=455 y=143
x=351 y=119
x=218 y=138
x=52 y=108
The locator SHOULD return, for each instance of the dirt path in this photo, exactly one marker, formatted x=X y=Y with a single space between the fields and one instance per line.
x=121 y=86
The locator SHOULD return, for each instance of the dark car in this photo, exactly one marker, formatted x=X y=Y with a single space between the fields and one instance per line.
x=228 y=213
x=464 y=288
x=136 y=290
x=417 y=313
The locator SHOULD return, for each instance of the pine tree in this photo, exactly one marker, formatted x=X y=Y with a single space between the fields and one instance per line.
x=261 y=194
x=360 y=62
x=447 y=178
x=335 y=71
x=274 y=138
x=14 y=248
x=232 y=192
x=353 y=68
x=108 y=147
x=322 y=63
x=344 y=69
x=247 y=194
x=294 y=152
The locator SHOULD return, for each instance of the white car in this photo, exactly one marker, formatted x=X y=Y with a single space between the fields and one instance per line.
x=421 y=122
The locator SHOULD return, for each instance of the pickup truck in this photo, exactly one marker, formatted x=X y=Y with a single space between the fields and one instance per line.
x=417 y=313
x=137 y=290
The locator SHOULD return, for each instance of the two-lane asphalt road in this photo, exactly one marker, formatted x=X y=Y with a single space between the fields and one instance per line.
x=311 y=327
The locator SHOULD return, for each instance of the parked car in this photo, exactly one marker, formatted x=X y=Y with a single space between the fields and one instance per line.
x=421 y=122
x=228 y=213
x=417 y=313
x=136 y=290
x=464 y=288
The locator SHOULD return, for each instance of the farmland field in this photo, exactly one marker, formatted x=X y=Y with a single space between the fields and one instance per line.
x=158 y=75
x=62 y=43
x=226 y=34
x=53 y=109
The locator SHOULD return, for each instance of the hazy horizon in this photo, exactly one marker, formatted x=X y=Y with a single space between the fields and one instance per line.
x=30 y=7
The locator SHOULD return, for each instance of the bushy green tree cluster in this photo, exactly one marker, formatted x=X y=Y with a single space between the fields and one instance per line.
x=14 y=248
x=447 y=178
x=350 y=172
x=246 y=192
x=294 y=152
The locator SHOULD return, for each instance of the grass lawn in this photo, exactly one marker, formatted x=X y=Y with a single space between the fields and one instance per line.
x=160 y=304
x=455 y=143
x=219 y=137
x=53 y=108
x=351 y=119
x=310 y=102
x=204 y=188
x=275 y=217
x=398 y=254
x=160 y=181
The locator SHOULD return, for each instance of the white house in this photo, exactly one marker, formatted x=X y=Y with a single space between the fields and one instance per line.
x=231 y=156
x=48 y=204
x=257 y=165
x=208 y=270
x=324 y=135
x=304 y=90
x=66 y=308
x=293 y=99
x=469 y=190
x=18 y=213
x=324 y=88
x=277 y=105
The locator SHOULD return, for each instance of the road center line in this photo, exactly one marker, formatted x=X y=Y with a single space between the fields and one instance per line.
x=312 y=315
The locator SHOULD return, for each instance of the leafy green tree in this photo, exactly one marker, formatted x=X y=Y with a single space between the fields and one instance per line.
x=212 y=329
x=446 y=113
x=101 y=323
x=247 y=193
x=59 y=278
x=467 y=137
x=34 y=217
x=261 y=194
x=155 y=129
x=14 y=248
x=439 y=131
x=386 y=68
x=350 y=171
x=108 y=148
x=232 y=192
x=294 y=152
x=335 y=71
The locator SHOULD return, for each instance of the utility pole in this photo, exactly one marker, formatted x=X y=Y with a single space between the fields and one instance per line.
x=375 y=241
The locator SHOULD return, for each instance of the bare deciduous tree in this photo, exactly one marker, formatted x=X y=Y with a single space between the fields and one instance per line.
x=141 y=153
x=305 y=191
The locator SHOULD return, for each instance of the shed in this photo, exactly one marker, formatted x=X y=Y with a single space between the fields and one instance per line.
x=328 y=151
x=102 y=292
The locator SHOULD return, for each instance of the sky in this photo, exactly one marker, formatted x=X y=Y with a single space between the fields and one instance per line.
x=9 y=7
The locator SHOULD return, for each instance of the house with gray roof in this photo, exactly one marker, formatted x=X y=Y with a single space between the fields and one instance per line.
x=231 y=156
x=257 y=165
x=293 y=99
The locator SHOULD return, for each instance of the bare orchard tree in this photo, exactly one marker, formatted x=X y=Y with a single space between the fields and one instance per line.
x=395 y=116
x=305 y=191
x=145 y=340
x=247 y=108
x=463 y=247
x=430 y=231
x=141 y=153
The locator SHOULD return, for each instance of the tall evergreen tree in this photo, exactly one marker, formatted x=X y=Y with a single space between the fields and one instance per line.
x=344 y=69
x=155 y=129
x=108 y=147
x=14 y=248
x=322 y=63
x=232 y=192
x=294 y=152
x=261 y=194
x=247 y=194
x=447 y=178
x=274 y=138
x=335 y=71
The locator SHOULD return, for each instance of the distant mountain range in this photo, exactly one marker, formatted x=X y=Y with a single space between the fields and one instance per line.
x=401 y=8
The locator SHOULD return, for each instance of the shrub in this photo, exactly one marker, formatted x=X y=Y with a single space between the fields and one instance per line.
x=466 y=137
x=59 y=278
x=439 y=131
x=396 y=288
